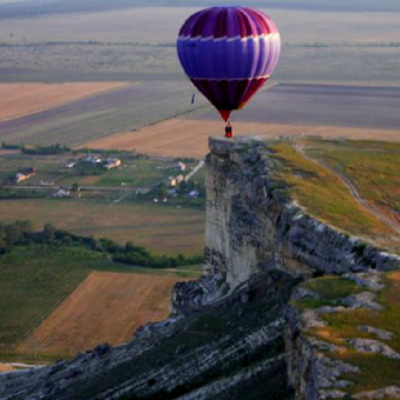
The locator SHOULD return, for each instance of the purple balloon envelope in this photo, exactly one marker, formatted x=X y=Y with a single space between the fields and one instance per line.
x=229 y=53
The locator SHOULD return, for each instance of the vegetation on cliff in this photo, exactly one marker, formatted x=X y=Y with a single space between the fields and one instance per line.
x=359 y=316
x=351 y=186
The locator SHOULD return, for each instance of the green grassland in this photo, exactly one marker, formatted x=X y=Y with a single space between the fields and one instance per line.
x=376 y=371
x=35 y=279
x=324 y=195
x=374 y=167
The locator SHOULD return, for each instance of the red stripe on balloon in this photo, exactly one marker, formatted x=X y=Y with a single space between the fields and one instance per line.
x=242 y=25
x=263 y=27
x=253 y=88
x=221 y=25
x=200 y=24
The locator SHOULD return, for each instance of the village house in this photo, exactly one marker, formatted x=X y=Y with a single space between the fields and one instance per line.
x=70 y=165
x=94 y=159
x=174 y=181
x=24 y=175
x=179 y=167
x=112 y=163
x=46 y=183
x=61 y=193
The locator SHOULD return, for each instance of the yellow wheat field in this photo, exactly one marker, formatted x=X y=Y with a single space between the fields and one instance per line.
x=105 y=307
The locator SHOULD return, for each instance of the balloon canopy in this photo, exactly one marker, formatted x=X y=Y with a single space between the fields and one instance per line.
x=229 y=53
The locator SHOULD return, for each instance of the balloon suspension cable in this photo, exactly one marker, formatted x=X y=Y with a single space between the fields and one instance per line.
x=229 y=130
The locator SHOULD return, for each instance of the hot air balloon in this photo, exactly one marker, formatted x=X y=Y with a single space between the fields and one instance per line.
x=229 y=53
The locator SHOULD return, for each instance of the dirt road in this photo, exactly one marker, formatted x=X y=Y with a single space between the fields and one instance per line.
x=352 y=188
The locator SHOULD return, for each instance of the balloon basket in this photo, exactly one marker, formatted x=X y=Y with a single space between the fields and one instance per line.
x=229 y=131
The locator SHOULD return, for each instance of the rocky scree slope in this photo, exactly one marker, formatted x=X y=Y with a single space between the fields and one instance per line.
x=225 y=338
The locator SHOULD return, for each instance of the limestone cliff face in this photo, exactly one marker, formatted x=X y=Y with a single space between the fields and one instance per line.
x=252 y=227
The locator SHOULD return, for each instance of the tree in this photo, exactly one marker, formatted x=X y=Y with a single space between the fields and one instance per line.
x=48 y=231
x=3 y=244
x=26 y=226
x=75 y=188
x=13 y=234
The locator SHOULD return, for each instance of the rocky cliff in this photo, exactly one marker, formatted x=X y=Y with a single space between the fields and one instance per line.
x=252 y=225
x=239 y=332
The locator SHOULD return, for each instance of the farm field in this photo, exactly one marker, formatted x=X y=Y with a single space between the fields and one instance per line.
x=162 y=229
x=18 y=99
x=356 y=195
x=139 y=44
x=105 y=307
x=144 y=25
x=321 y=105
x=127 y=108
x=5 y=368
x=36 y=279
x=180 y=136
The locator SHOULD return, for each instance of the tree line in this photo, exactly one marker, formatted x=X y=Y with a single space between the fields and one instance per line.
x=22 y=233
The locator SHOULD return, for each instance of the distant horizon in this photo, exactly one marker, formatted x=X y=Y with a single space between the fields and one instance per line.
x=33 y=8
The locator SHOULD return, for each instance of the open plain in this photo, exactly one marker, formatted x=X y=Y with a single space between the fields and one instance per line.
x=126 y=108
x=322 y=105
x=162 y=229
x=18 y=99
x=105 y=307
x=139 y=44
x=282 y=110
x=177 y=137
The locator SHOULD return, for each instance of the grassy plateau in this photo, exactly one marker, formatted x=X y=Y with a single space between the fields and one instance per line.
x=322 y=191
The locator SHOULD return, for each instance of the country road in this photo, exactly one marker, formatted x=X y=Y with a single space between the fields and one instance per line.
x=196 y=169
x=352 y=188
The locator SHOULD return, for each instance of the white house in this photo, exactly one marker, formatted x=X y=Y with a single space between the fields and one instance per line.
x=61 y=193
x=174 y=181
x=179 y=166
x=112 y=163
x=23 y=176
x=93 y=158
x=70 y=165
